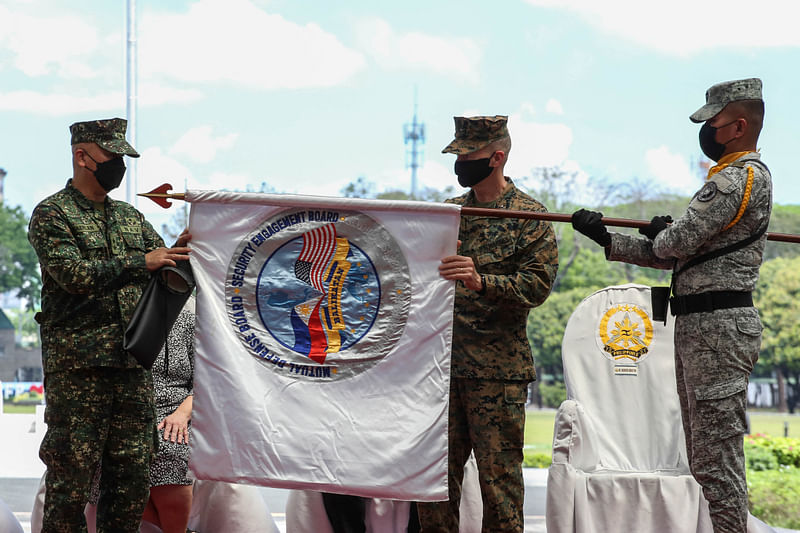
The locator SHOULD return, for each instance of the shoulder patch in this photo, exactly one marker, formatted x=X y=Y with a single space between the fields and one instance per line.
x=707 y=193
x=728 y=178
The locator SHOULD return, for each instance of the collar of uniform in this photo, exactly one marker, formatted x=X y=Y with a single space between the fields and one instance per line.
x=501 y=201
x=80 y=199
x=725 y=161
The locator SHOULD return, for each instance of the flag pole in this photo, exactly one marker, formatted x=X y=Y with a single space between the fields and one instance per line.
x=160 y=196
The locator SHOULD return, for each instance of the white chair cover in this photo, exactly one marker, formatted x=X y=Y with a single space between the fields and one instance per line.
x=619 y=454
x=220 y=507
x=8 y=522
x=305 y=511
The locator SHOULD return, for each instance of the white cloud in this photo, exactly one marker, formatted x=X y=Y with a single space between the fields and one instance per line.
x=435 y=175
x=545 y=144
x=153 y=94
x=432 y=174
x=60 y=103
x=42 y=44
x=234 y=41
x=156 y=168
x=226 y=41
x=229 y=181
x=393 y=50
x=68 y=102
x=200 y=146
x=554 y=106
x=671 y=170
x=312 y=186
x=536 y=144
x=527 y=108
x=683 y=27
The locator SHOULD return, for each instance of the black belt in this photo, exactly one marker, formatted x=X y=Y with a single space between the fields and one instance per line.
x=709 y=301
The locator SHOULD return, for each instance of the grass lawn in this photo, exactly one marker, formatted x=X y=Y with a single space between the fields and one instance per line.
x=772 y=424
x=539 y=430
x=539 y=427
x=11 y=409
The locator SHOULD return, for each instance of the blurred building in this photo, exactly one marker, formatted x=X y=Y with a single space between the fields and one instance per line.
x=17 y=363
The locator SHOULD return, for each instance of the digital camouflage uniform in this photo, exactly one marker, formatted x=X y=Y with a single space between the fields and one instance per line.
x=714 y=351
x=492 y=362
x=99 y=400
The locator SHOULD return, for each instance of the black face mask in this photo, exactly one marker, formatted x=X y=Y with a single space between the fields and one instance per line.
x=109 y=173
x=472 y=172
x=708 y=141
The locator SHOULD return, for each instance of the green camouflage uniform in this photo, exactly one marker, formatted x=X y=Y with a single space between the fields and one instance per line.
x=714 y=351
x=491 y=358
x=99 y=400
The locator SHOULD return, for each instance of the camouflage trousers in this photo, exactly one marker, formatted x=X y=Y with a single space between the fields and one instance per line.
x=714 y=355
x=488 y=417
x=96 y=414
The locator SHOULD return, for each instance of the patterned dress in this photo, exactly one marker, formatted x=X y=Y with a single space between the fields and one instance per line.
x=173 y=372
x=173 y=382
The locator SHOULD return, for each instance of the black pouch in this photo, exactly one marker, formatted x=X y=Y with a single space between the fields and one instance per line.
x=659 y=299
x=158 y=308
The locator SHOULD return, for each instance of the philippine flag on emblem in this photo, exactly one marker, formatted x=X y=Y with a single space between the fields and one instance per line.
x=323 y=343
x=322 y=263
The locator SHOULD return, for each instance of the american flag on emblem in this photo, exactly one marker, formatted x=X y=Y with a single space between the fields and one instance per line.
x=319 y=246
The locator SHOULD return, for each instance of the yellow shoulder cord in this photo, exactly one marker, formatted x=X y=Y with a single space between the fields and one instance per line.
x=745 y=199
x=724 y=162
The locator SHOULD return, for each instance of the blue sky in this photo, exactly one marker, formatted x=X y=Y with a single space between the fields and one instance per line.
x=307 y=96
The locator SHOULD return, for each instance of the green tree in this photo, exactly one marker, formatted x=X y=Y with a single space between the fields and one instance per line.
x=427 y=194
x=19 y=266
x=362 y=188
x=590 y=269
x=545 y=329
x=784 y=219
x=176 y=224
x=558 y=190
x=25 y=325
x=777 y=296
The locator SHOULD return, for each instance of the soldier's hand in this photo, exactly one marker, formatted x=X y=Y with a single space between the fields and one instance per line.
x=460 y=267
x=656 y=226
x=183 y=238
x=590 y=223
x=165 y=257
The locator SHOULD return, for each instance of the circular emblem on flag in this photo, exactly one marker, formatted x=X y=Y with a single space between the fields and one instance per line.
x=625 y=332
x=318 y=294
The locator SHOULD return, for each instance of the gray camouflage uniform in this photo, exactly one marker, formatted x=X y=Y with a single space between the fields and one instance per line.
x=714 y=351
x=99 y=400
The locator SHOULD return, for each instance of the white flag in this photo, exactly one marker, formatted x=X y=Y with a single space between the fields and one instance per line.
x=323 y=343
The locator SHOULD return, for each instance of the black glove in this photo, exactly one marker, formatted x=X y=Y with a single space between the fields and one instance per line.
x=656 y=226
x=590 y=224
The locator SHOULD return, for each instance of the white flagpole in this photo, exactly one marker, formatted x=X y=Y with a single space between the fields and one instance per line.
x=131 y=97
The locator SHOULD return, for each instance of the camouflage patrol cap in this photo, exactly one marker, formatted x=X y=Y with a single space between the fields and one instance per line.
x=721 y=94
x=108 y=134
x=473 y=133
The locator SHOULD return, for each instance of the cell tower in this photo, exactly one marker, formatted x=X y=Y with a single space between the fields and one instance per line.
x=414 y=134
